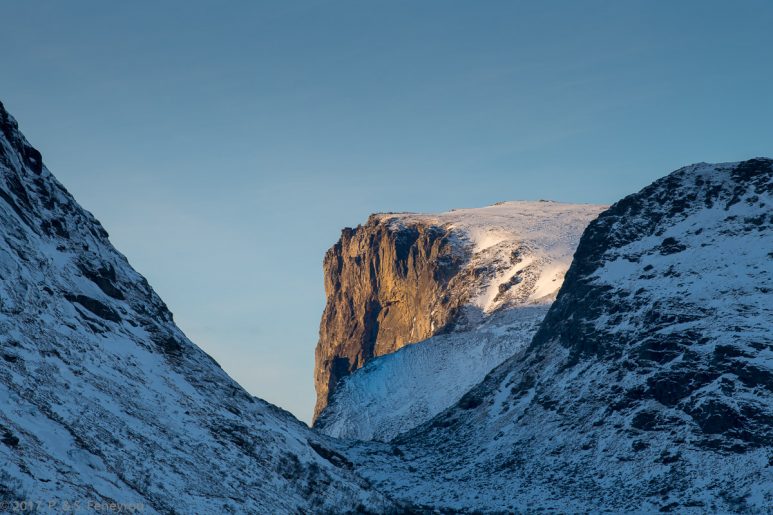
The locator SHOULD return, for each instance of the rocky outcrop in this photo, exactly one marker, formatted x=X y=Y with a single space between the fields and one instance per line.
x=404 y=277
x=387 y=284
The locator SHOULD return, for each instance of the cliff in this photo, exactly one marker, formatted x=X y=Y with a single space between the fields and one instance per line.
x=387 y=284
x=405 y=277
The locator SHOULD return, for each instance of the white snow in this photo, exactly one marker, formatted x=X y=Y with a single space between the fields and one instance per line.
x=546 y=234
x=394 y=393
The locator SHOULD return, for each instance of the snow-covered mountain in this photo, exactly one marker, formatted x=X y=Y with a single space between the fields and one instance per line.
x=103 y=399
x=649 y=385
x=402 y=278
x=509 y=262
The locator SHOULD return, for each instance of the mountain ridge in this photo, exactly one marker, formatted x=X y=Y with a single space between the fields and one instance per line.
x=104 y=398
x=646 y=388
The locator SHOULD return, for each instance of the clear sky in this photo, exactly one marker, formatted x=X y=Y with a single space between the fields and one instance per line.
x=225 y=144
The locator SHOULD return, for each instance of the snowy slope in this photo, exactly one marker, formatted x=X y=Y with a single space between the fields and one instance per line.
x=395 y=393
x=517 y=255
x=649 y=384
x=103 y=399
x=519 y=250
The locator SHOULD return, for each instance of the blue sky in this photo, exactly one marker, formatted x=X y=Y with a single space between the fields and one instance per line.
x=225 y=144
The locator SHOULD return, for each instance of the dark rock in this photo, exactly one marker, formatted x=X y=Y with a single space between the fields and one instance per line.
x=104 y=277
x=671 y=246
x=715 y=417
x=337 y=459
x=645 y=420
x=670 y=387
x=170 y=345
x=94 y=306
x=9 y=438
x=470 y=400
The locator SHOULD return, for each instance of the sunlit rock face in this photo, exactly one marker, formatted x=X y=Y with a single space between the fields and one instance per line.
x=403 y=278
x=648 y=386
x=104 y=400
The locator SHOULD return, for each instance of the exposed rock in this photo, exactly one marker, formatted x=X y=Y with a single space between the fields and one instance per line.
x=403 y=277
x=387 y=284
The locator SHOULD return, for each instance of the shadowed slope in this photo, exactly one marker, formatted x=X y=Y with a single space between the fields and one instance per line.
x=103 y=399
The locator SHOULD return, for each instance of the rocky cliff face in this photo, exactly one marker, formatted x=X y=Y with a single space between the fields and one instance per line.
x=648 y=386
x=104 y=400
x=387 y=284
x=402 y=278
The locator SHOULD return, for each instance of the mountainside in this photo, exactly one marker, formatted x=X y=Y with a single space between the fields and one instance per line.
x=405 y=277
x=648 y=385
x=105 y=400
x=511 y=261
x=394 y=393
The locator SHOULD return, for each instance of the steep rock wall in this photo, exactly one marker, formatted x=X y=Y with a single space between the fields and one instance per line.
x=388 y=283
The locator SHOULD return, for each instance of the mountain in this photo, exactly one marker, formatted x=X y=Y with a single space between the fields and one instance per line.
x=439 y=301
x=104 y=400
x=648 y=386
